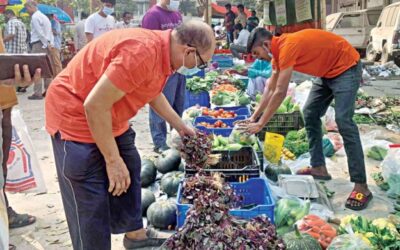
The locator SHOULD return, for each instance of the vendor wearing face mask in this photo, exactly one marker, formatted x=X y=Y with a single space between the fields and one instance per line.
x=87 y=115
x=162 y=16
x=337 y=63
x=100 y=22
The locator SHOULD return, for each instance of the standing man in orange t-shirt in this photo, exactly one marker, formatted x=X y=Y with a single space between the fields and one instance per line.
x=88 y=107
x=337 y=63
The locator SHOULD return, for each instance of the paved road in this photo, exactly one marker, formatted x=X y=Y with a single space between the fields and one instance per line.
x=383 y=88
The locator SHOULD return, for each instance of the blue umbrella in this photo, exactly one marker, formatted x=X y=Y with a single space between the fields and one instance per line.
x=61 y=15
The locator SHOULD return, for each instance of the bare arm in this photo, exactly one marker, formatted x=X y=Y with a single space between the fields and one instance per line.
x=89 y=37
x=266 y=96
x=98 y=106
x=164 y=109
x=277 y=96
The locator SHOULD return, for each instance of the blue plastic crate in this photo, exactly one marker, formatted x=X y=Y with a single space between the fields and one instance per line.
x=192 y=99
x=224 y=61
x=201 y=73
x=254 y=191
x=217 y=131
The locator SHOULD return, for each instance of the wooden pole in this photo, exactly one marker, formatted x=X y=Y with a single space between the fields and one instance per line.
x=323 y=14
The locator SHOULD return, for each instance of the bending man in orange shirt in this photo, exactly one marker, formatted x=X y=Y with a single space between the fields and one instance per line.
x=326 y=55
x=88 y=107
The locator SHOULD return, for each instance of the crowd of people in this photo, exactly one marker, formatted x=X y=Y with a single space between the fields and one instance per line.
x=87 y=115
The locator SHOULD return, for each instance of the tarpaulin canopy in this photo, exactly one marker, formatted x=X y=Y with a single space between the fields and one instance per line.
x=219 y=11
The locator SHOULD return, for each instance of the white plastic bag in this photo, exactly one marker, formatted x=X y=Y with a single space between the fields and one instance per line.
x=329 y=120
x=24 y=174
x=391 y=170
x=301 y=162
x=349 y=242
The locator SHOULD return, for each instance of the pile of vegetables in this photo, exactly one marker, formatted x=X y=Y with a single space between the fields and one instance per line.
x=221 y=143
x=217 y=124
x=287 y=106
x=380 y=181
x=196 y=150
x=379 y=233
x=288 y=211
x=209 y=225
x=227 y=79
x=224 y=88
x=220 y=113
x=221 y=98
x=296 y=142
x=318 y=229
x=197 y=84
x=377 y=153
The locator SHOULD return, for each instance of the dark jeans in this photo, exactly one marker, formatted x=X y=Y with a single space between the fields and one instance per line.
x=92 y=212
x=174 y=91
x=237 y=50
x=343 y=89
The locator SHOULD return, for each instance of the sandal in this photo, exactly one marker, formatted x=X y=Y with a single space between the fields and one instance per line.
x=360 y=198
x=153 y=240
x=307 y=171
x=19 y=220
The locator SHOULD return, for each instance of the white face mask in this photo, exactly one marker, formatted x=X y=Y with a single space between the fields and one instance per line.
x=107 y=10
x=173 y=5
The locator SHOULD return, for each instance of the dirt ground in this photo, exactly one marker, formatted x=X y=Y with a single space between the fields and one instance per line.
x=51 y=232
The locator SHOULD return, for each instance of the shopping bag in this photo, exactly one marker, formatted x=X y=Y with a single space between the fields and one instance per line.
x=24 y=174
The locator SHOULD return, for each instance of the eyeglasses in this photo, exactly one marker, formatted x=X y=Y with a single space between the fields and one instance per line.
x=203 y=64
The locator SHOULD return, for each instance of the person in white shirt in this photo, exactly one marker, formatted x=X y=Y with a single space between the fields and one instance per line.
x=126 y=21
x=79 y=36
x=240 y=44
x=100 y=22
x=42 y=41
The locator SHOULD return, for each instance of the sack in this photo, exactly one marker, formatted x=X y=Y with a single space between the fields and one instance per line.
x=24 y=174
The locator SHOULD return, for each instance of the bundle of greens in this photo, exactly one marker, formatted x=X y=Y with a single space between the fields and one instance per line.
x=197 y=84
x=296 y=142
x=209 y=225
x=196 y=150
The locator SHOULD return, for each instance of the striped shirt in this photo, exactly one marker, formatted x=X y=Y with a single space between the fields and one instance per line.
x=18 y=44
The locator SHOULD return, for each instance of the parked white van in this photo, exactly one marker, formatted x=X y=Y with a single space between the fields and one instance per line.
x=354 y=26
x=384 y=41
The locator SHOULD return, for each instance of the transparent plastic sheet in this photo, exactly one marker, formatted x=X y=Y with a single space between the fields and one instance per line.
x=191 y=113
x=391 y=170
x=301 y=162
x=348 y=242
x=321 y=211
x=24 y=173
x=302 y=92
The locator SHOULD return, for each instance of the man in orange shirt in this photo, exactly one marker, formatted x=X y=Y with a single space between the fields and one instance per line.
x=326 y=55
x=88 y=107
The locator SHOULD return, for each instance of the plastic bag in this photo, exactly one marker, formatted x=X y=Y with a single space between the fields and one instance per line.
x=240 y=136
x=329 y=120
x=391 y=170
x=24 y=174
x=191 y=113
x=349 y=242
x=301 y=162
x=317 y=228
x=288 y=211
x=320 y=210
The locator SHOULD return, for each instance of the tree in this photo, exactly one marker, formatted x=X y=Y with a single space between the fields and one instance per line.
x=80 y=6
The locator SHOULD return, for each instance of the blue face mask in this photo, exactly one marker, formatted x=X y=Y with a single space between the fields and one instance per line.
x=108 y=11
x=186 y=71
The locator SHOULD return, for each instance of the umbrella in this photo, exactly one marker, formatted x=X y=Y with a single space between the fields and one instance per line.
x=61 y=15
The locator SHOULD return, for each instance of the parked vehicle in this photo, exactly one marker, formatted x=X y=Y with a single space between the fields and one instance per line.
x=354 y=26
x=384 y=41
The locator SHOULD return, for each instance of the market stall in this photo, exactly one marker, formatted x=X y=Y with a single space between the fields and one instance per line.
x=227 y=189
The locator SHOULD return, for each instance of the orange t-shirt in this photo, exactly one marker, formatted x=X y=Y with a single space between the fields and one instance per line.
x=314 y=52
x=137 y=61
